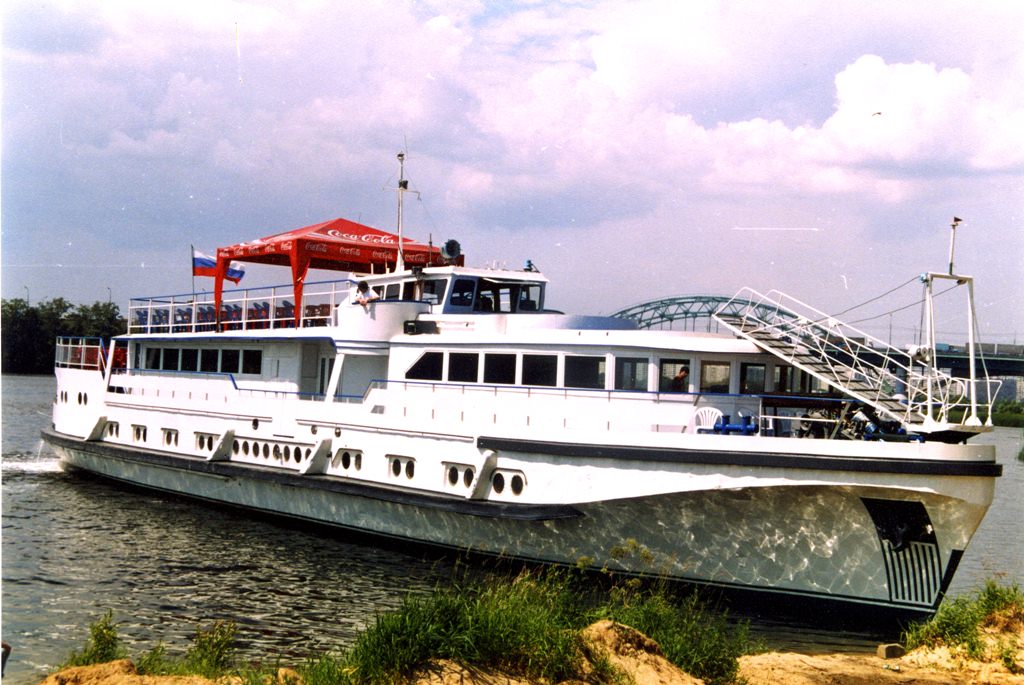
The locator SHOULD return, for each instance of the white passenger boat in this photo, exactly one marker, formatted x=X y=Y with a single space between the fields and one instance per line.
x=453 y=408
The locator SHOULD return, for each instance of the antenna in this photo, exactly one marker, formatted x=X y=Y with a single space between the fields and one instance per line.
x=952 y=241
x=403 y=188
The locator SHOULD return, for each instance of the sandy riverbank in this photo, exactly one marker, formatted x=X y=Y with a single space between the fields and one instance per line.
x=640 y=658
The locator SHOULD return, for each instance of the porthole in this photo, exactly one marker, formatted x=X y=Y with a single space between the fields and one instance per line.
x=245 y=448
x=517 y=484
x=467 y=477
x=410 y=468
x=255 y=424
x=453 y=475
x=396 y=467
x=85 y=398
x=498 y=483
x=287 y=452
x=297 y=456
x=277 y=451
x=307 y=454
x=359 y=460
x=79 y=398
x=266 y=451
x=312 y=429
x=346 y=460
x=234 y=447
x=337 y=432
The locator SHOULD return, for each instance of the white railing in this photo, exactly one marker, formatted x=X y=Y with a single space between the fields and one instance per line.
x=856 y=362
x=80 y=353
x=241 y=309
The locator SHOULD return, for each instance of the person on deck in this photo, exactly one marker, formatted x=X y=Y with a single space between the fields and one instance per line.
x=364 y=295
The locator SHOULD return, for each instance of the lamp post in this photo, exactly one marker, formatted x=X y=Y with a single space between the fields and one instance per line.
x=109 y=296
x=28 y=297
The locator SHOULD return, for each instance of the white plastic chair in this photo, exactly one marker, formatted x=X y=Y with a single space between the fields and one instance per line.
x=706 y=418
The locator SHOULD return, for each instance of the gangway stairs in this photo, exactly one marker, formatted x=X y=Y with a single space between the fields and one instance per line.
x=898 y=385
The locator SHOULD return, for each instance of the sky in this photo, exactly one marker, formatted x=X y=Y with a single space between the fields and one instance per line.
x=632 y=150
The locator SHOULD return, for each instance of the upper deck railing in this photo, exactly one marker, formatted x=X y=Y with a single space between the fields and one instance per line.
x=75 y=352
x=241 y=309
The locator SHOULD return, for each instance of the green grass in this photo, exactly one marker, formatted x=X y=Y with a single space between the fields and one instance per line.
x=103 y=644
x=958 y=624
x=527 y=625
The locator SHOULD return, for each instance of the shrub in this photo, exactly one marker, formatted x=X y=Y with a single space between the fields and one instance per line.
x=103 y=644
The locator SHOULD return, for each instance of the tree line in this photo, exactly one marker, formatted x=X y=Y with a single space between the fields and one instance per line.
x=29 y=333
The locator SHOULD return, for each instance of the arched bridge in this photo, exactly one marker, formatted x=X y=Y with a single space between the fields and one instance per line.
x=687 y=309
x=1000 y=360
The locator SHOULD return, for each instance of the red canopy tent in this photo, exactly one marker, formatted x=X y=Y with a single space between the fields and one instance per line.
x=339 y=244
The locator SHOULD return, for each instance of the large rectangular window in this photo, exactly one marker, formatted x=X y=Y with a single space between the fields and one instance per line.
x=714 y=377
x=540 y=369
x=229 y=361
x=752 y=378
x=190 y=359
x=208 y=360
x=783 y=377
x=252 y=361
x=462 y=292
x=674 y=375
x=584 y=372
x=170 y=361
x=500 y=368
x=631 y=373
x=463 y=367
x=427 y=368
x=153 y=358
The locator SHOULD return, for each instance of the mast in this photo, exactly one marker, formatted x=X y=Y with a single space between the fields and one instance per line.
x=403 y=187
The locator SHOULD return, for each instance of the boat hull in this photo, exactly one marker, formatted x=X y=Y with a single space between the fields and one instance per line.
x=827 y=541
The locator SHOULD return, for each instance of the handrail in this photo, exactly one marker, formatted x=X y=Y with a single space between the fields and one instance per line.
x=241 y=309
x=845 y=351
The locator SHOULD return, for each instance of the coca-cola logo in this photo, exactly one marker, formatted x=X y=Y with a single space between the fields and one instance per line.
x=365 y=238
x=316 y=247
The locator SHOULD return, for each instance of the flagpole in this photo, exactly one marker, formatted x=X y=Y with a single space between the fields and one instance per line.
x=191 y=261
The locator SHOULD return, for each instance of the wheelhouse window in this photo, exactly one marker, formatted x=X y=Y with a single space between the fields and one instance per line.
x=529 y=297
x=540 y=369
x=463 y=367
x=752 y=377
x=427 y=368
x=462 y=292
x=714 y=377
x=584 y=372
x=631 y=373
x=500 y=368
x=152 y=358
x=671 y=378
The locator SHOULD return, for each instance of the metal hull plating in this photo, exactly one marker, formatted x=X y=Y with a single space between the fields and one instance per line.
x=819 y=541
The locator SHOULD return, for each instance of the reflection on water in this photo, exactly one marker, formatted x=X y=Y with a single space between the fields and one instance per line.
x=74 y=547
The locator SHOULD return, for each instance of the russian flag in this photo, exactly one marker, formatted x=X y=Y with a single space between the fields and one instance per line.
x=205 y=265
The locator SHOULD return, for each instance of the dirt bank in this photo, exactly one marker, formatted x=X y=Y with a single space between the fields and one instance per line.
x=641 y=659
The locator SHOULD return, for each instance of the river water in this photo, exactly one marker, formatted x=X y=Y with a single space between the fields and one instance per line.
x=74 y=547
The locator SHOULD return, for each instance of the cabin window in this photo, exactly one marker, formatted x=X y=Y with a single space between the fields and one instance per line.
x=229 y=361
x=462 y=293
x=584 y=372
x=540 y=369
x=427 y=368
x=529 y=297
x=391 y=292
x=208 y=360
x=463 y=367
x=670 y=378
x=631 y=373
x=170 y=360
x=153 y=358
x=782 y=377
x=252 y=361
x=752 y=378
x=500 y=368
x=714 y=377
x=190 y=359
x=433 y=291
